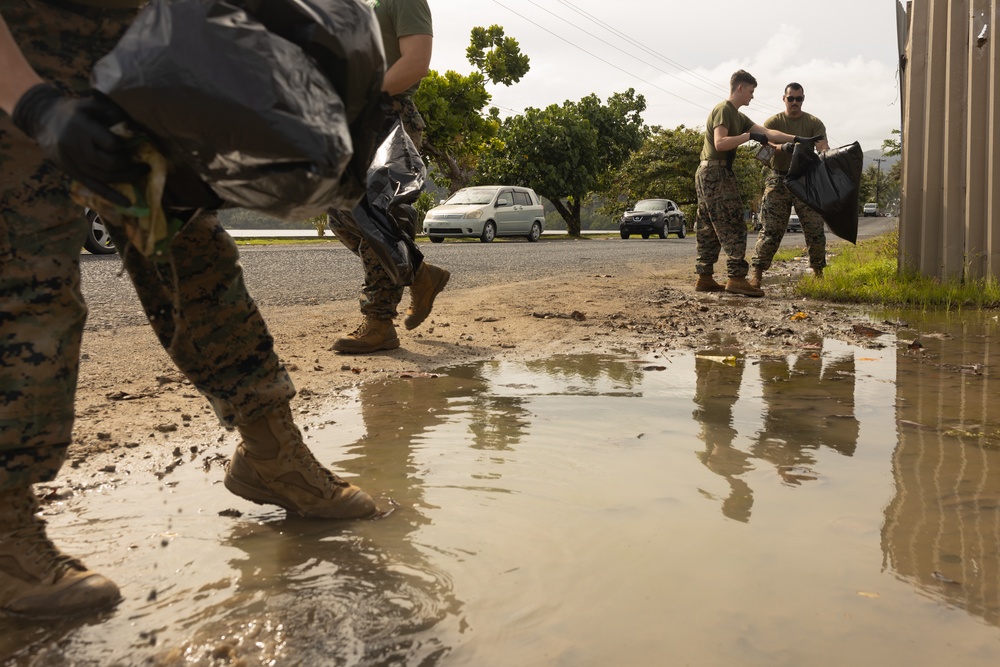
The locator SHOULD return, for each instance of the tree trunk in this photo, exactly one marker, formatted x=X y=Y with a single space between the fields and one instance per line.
x=570 y=213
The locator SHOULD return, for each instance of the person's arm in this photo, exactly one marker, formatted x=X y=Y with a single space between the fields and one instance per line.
x=724 y=142
x=773 y=136
x=18 y=76
x=412 y=66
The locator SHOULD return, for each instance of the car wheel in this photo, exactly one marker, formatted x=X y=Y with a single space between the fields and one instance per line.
x=682 y=232
x=535 y=233
x=663 y=231
x=645 y=235
x=98 y=241
x=437 y=239
x=489 y=232
x=625 y=235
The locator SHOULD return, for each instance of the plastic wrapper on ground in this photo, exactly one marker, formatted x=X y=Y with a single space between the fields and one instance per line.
x=829 y=183
x=247 y=110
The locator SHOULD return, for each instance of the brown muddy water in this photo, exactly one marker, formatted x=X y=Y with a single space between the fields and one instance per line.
x=833 y=505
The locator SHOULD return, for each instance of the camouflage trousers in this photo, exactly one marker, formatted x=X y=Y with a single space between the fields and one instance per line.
x=720 y=224
x=195 y=298
x=380 y=295
x=776 y=207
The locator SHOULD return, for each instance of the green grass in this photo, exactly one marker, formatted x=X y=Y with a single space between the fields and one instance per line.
x=867 y=273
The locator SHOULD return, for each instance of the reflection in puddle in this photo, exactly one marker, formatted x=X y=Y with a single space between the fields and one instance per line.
x=829 y=505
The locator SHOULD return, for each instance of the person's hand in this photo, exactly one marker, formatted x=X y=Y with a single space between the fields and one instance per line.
x=75 y=133
x=808 y=140
x=759 y=137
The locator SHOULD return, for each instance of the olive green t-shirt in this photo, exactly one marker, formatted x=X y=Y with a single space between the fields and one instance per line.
x=729 y=116
x=401 y=18
x=806 y=125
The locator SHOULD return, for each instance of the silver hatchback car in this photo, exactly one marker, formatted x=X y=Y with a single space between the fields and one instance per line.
x=486 y=212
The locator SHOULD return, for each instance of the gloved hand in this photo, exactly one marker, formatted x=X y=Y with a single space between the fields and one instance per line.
x=75 y=133
x=808 y=140
x=788 y=147
x=759 y=137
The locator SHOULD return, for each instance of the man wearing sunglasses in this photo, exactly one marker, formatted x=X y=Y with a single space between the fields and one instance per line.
x=776 y=205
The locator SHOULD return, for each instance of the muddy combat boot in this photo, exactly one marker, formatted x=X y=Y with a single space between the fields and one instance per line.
x=272 y=466
x=36 y=579
x=757 y=279
x=373 y=335
x=818 y=272
x=706 y=283
x=742 y=287
x=427 y=284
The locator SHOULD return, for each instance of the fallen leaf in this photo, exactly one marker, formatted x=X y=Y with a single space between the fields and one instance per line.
x=799 y=316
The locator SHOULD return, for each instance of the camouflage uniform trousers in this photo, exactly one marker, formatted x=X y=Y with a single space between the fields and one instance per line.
x=720 y=224
x=195 y=300
x=776 y=207
x=380 y=295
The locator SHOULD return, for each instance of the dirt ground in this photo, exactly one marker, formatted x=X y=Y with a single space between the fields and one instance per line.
x=133 y=405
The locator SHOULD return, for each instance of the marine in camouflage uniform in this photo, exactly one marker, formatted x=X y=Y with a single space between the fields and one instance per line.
x=399 y=20
x=720 y=223
x=777 y=202
x=196 y=302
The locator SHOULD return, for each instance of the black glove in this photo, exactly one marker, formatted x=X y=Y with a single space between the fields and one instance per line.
x=75 y=134
x=788 y=147
x=808 y=140
x=759 y=137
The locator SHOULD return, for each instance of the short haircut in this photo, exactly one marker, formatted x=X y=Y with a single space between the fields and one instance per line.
x=741 y=76
x=794 y=86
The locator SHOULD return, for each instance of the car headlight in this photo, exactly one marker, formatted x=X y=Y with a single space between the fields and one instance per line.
x=474 y=215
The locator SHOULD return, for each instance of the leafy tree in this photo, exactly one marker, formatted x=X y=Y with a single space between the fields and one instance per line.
x=892 y=147
x=565 y=152
x=880 y=186
x=454 y=106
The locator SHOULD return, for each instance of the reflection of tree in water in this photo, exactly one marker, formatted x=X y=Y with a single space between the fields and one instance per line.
x=808 y=404
x=717 y=389
x=589 y=370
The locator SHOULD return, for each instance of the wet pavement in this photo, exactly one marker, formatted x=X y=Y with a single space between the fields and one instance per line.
x=829 y=505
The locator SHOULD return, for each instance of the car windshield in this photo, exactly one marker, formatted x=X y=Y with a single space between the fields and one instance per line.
x=650 y=205
x=472 y=196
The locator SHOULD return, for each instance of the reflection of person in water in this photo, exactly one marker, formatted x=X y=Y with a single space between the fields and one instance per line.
x=716 y=390
x=808 y=404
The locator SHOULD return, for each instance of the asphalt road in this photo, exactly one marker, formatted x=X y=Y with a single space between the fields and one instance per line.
x=304 y=275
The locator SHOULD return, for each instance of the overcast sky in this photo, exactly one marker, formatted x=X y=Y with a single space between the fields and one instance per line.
x=679 y=55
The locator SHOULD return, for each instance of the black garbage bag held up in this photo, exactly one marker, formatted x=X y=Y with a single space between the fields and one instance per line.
x=385 y=217
x=252 y=114
x=829 y=183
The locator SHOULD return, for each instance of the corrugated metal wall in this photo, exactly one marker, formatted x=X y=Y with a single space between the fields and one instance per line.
x=949 y=223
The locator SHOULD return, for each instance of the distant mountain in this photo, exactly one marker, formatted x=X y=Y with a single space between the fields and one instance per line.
x=874 y=154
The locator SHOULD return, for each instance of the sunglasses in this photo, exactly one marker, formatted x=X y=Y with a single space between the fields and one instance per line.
x=794 y=98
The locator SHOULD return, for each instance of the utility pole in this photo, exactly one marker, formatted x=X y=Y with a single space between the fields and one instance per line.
x=878 y=179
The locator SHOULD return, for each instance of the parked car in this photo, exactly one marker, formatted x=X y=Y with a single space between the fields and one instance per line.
x=870 y=210
x=98 y=240
x=486 y=212
x=653 y=216
x=794 y=224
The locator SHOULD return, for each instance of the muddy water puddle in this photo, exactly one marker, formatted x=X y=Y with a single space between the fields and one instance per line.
x=838 y=504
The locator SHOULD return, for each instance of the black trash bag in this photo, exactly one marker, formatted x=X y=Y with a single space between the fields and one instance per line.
x=246 y=110
x=829 y=183
x=385 y=217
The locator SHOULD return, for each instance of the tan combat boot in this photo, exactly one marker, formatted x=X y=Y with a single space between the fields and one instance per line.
x=706 y=283
x=373 y=335
x=272 y=466
x=742 y=287
x=757 y=279
x=36 y=579
x=427 y=284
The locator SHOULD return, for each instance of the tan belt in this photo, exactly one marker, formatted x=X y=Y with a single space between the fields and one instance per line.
x=713 y=163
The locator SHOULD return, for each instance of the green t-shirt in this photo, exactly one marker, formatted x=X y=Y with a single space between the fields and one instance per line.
x=401 y=18
x=727 y=115
x=806 y=125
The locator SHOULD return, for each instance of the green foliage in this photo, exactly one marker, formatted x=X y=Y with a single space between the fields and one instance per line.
x=565 y=152
x=458 y=125
x=881 y=187
x=868 y=273
x=497 y=56
x=892 y=147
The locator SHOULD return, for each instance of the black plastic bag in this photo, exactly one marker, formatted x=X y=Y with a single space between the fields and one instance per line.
x=247 y=110
x=385 y=217
x=829 y=183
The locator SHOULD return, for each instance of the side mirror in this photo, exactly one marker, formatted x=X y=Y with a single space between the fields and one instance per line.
x=502 y=201
x=441 y=201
